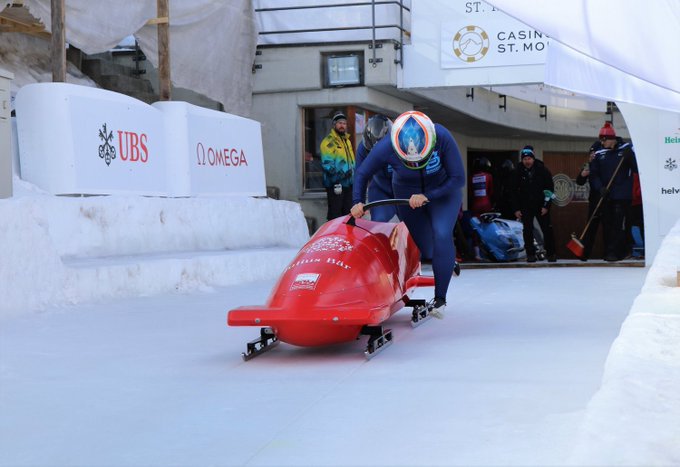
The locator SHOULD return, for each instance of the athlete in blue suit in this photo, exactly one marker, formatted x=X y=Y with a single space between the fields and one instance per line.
x=380 y=186
x=426 y=168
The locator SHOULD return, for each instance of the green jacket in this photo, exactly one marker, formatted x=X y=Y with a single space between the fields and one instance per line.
x=337 y=159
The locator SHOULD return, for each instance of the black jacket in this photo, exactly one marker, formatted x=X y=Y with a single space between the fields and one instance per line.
x=528 y=186
x=603 y=166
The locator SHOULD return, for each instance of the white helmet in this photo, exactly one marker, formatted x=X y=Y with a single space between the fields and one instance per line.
x=413 y=138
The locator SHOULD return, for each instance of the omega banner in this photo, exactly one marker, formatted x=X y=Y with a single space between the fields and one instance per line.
x=479 y=35
x=81 y=140
x=214 y=152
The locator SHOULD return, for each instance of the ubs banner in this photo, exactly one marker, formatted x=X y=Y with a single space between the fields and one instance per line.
x=76 y=139
x=81 y=140
x=478 y=35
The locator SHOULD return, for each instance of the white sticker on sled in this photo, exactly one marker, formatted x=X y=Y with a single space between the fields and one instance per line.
x=305 y=281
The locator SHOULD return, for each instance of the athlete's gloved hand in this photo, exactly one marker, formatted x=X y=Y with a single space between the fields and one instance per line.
x=357 y=210
x=417 y=201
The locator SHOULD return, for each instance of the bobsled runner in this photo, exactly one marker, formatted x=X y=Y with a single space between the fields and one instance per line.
x=350 y=277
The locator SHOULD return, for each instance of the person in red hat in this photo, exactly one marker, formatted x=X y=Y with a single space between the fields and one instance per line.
x=614 y=163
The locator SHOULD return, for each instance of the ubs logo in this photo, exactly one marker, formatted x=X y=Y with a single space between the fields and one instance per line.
x=106 y=150
x=132 y=146
x=471 y=43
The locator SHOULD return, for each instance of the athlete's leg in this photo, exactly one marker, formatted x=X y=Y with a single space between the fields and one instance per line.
x=443 y=213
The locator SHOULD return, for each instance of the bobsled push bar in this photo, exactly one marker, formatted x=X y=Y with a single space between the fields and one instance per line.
x=381 y=202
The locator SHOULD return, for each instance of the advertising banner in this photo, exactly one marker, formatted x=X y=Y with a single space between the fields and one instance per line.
x=463 y=43
x=668 y=168
x=81 y=140
x=217 y=152
x=481 y=36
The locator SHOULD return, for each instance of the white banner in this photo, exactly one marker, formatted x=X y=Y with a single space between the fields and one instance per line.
x=669 y=173
x=81 y=140
x=462 y=43
x=218 y=153
x=656 y=138
x=477 y=39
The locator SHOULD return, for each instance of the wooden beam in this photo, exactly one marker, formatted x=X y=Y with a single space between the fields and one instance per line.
x=163 y=50
x=17 y=19
x=58 y=42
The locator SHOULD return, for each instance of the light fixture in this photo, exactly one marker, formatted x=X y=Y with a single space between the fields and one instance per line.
x=504 y=104
x=343 y=70
x=543 y=112
x=471 y=94
x=610 y=111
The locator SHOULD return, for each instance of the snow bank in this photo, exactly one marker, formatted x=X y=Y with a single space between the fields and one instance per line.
x=634 y=419
x=68 y=249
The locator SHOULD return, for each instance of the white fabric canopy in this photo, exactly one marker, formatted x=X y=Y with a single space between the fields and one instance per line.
x=212 y=42
x=623 y=50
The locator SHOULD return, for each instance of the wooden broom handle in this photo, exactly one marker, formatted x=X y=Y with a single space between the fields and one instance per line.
x=599 y=203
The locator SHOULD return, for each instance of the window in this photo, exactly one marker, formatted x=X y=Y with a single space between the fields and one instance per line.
x=344 y=69
x=317 y=124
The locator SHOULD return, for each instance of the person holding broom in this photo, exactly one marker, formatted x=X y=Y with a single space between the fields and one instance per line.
x=611 y=175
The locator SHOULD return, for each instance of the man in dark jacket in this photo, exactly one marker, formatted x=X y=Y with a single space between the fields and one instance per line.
x=617 y=198
x=532 y=195
x=593 y=198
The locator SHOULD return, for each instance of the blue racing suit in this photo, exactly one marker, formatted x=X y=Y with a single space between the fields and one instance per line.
x=379 y=188
x=441 y=181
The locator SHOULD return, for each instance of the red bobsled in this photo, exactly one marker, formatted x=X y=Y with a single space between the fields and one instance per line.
x=350 y=277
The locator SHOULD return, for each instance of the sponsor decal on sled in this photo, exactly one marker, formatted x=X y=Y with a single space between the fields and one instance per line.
x=305 y=281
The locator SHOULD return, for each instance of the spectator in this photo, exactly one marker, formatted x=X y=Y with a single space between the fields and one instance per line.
x=532 y=196
x=426 y=168
x=380 y=186
x=593 y=199
x=337 y=163
x=615 y=154
x=481 y=183
x=504 y=190
x=482 y=187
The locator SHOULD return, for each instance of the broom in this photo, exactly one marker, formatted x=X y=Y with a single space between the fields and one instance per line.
x=575 y=245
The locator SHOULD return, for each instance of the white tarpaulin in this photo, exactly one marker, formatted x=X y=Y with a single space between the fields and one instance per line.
x=623 y=49
x=212 y=42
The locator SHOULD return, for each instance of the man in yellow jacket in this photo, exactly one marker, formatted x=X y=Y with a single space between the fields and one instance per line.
x=337 y=162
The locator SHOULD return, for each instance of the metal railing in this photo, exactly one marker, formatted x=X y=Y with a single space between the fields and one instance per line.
x=372 y=27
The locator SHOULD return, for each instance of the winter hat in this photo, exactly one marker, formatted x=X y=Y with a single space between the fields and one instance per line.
x=338 y=116
x=527 y=151
x=607 y=131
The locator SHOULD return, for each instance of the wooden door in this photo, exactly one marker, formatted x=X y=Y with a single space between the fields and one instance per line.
x=569 y=212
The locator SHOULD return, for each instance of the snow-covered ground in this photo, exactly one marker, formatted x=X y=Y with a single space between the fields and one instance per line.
x=114 y=351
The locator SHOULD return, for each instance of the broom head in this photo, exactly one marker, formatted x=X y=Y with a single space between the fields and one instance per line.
x=575 y=246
